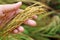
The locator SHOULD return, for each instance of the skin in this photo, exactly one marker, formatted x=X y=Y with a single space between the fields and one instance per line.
x=14 y=9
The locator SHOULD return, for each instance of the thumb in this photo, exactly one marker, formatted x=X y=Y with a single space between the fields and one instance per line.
x=10 y=7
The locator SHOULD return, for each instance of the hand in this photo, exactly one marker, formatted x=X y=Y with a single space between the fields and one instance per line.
x=12 y=9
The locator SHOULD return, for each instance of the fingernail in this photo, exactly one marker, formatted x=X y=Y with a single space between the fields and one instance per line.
x=15 y=31
x=18 y=4
x=31 y=22
x=21 y=29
